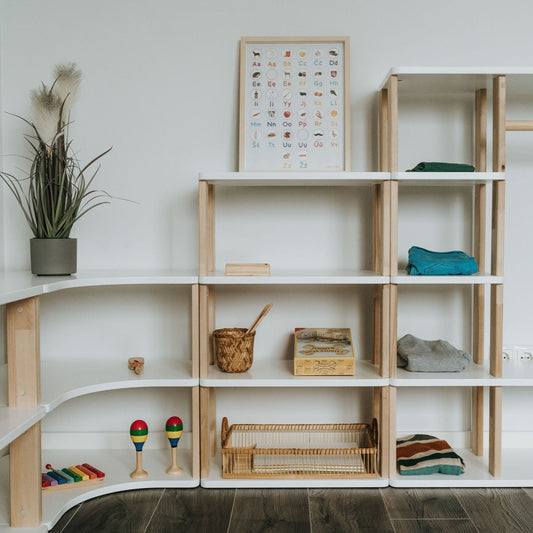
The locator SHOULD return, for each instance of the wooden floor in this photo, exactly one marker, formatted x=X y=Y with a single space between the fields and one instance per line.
x=304 y=510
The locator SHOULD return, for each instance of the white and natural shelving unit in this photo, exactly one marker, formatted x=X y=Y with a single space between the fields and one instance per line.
x=36 y=388
x=495 y=468
x=268 y=372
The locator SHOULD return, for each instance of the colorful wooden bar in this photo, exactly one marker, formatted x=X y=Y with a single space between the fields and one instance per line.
x=78 y=472
x=90 y=473
x=95 y=470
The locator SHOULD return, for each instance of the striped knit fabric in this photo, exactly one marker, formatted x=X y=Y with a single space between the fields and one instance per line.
x=424 y=454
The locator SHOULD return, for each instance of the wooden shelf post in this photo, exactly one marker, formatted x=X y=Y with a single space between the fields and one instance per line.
x=496 y=297
x=206 y=197
x=24 y=382
x=478 y=303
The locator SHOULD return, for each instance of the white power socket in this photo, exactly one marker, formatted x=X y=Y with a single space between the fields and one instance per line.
x=524 y=353
x=508 y=353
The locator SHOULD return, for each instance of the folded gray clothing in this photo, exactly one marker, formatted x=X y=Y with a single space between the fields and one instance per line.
x=419 y=355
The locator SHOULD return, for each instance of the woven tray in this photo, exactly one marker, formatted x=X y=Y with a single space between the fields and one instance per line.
x=297 y=451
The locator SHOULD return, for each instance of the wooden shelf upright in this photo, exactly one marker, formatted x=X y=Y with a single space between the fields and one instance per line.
x=24 y=390
x=474 y=83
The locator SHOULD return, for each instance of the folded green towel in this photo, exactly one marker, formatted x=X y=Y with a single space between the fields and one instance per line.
x=442 y=167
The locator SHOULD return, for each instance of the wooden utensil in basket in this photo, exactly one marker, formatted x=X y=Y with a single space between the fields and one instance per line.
x=234 y=347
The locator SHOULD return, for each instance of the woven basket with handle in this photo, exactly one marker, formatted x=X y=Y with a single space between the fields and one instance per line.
x=234 y=349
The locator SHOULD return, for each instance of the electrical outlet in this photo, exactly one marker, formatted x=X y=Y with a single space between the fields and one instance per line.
x=508 y=353
x=524 y=353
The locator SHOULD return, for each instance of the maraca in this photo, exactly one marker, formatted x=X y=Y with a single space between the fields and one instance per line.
x=139 y=434
x=174 y=429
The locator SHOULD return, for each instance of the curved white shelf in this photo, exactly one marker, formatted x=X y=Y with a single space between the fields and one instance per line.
x=215 y=480
x=474 y=376
x=19 y=285
x=280 y=374
x=117 y=465
x=62 y=381
x=14 y=421
x=362 y=277
x=481 y=278
x=517 y=471
x=446 y=179
x=291 y=179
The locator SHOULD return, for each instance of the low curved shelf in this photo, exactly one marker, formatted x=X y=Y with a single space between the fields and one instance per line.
x=61 y=382
x=117 y=465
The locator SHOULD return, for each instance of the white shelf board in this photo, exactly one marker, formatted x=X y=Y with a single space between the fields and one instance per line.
x=19 y=285
x=215 y=480
x=14 y=421
x=460 y=79
x=481 y=278
x=280 y=374
x=517 y=471
x=294 y=179
x=62 y=381
x=473 y=376
x=117 y=465
x=344 y=277
x=446 y=179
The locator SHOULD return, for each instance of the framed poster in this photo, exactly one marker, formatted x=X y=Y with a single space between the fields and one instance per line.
x=294 y=104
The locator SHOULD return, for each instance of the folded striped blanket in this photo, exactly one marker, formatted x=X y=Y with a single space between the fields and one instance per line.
x=425 y=454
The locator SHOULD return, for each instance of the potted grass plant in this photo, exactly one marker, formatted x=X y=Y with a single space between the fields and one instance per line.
x=57 y=190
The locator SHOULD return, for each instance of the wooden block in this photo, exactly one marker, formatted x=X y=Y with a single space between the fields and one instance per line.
x=60 y=480
x=50 y=479
x=95 y=470
x=90 y=473
x=136 y=364
x=247 y=269
x=73 y=475
x=79 y=473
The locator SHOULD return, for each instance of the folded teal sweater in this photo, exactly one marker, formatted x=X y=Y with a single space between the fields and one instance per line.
x=442 y=167
x=424 y=262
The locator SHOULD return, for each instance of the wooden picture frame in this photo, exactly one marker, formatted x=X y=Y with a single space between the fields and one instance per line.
x=294 y=104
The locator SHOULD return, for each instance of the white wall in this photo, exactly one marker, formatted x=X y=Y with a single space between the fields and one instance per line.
x=161 y=85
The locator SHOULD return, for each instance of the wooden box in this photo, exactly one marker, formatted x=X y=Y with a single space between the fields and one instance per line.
x=323 y=352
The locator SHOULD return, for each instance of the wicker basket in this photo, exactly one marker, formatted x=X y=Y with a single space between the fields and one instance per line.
x=296 y=451
x=234 y=350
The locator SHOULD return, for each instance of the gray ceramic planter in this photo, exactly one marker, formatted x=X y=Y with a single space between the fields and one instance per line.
x=53 y=257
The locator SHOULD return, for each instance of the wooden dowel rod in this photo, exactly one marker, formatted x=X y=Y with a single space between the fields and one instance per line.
x=519 y=125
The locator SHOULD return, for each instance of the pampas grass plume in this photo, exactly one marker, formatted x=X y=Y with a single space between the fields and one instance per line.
x=46 y=108
x=67 y=83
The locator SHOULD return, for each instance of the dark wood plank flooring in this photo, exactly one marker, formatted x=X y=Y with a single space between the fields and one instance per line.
x=304 y=511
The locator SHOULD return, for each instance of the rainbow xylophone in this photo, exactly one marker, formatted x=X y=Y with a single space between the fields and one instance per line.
x=71 y=477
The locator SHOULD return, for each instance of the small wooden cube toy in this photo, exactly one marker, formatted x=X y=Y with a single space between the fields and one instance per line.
x=136 y=364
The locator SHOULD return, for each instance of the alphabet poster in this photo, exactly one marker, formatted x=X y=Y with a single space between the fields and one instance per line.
x=294 y=104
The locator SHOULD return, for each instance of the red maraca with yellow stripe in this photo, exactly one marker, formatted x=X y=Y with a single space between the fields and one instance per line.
x=174 y=430
x=139 y=434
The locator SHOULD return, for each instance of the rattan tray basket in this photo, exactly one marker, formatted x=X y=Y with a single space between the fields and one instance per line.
x=296 y=451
